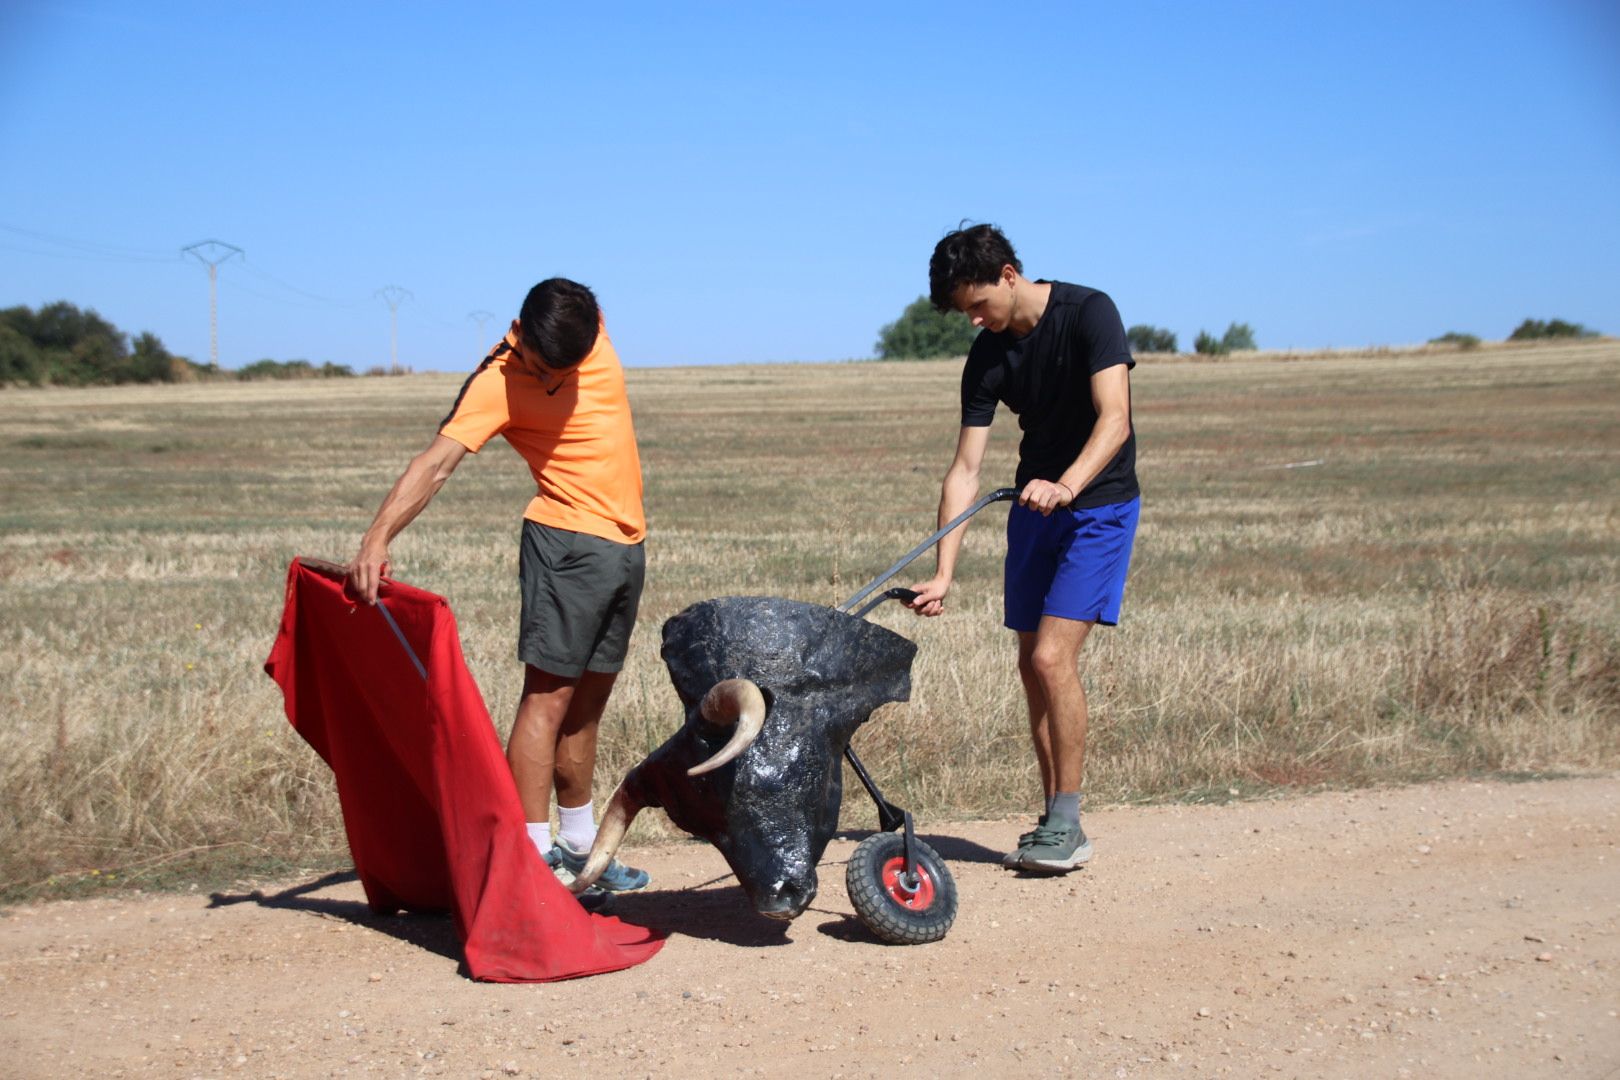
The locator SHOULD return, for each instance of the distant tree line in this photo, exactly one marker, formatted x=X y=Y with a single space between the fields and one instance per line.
x=1535 y=329
x=1156 y=339
x=293 y=369
x=922 y=333
x=1529 y=330
x=61 y=345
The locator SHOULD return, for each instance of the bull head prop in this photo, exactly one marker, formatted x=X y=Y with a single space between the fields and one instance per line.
x=773 y=689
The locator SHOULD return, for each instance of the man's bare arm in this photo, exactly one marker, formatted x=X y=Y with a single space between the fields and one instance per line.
x=1111 y=397
x=957 y=492
x=411 y=493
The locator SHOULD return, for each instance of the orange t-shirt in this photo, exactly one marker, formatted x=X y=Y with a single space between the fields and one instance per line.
x=577 y=438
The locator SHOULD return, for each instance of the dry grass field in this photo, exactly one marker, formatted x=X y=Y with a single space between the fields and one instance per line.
x=1352 y=569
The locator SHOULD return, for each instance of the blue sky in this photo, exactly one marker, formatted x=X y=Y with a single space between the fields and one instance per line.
x=755 y=182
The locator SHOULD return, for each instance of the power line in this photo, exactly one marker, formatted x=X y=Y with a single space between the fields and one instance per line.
x=424 y=314
x=85 y=250
x=126 y=259
x=213 y=253
x=272 y=279
x=238 y=287
x=97 y=251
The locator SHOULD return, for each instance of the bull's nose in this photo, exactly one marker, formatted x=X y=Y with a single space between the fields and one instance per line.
x=785 y=900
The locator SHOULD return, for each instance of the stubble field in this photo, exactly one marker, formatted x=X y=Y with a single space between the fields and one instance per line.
x=1351 y=570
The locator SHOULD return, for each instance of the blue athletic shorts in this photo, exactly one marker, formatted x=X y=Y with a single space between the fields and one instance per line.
x=1071 y=565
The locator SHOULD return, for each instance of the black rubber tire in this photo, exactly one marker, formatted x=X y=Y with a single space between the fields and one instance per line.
x=881 y=910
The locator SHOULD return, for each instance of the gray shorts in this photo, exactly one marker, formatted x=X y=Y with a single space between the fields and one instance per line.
x=580 y=595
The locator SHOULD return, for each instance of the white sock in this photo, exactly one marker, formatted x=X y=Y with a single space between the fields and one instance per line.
x=540 y=833
x=578 y=826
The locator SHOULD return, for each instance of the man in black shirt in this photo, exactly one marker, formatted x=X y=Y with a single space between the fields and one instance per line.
x=1056 y=355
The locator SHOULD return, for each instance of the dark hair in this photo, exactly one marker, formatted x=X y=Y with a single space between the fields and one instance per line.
x=558 y=322
x=969 y=256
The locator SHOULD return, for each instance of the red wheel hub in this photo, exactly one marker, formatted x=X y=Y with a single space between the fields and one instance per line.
x=919 y=896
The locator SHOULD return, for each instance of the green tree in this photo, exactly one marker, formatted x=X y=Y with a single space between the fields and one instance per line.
x=65 y=345
x=1148 y=339
x=921 y=333
x=292 y=369
x=85 y=347
x=1238 y=337
x=275 y=369
x=149 y=361
x=1452 y=337
x=1535 y=329
x=20 y=359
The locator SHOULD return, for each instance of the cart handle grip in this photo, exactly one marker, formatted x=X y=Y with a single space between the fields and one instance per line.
x=998 y=495
x=895 y=592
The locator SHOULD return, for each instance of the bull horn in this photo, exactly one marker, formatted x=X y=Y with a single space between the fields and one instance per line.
x=621 y=811
x=733 y=702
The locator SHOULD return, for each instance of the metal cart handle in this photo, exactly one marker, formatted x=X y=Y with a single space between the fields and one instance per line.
x=998 y=495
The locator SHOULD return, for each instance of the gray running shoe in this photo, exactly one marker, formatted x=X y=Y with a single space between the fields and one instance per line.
x=565 y=858
x=564 y=875
x=1011 y=860
x=1056 y=849
x=594 y=899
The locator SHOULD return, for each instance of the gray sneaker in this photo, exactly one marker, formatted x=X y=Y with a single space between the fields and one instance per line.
x=1056 y=849
x=1012 y=859
x=564 y=858
x=593 y=899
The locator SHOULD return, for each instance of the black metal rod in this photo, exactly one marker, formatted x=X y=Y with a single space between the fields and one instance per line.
x=998 y=495
x=890 y=816
x=910 y=881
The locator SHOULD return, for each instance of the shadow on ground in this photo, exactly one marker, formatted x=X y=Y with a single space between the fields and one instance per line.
x=432 y=931
x=849 y=928
x=700 y=911
x=723 y=914
x=950 y=848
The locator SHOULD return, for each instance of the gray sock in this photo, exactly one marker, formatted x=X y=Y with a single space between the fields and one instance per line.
x=1063 y=807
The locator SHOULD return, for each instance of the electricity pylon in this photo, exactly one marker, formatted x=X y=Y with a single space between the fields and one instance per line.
x=211 y=253
x=393 y=296
x=480 y=317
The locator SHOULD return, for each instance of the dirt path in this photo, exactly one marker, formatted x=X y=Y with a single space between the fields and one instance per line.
x=1453 y=930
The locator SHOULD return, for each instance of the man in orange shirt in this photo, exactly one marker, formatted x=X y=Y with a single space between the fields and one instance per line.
x=554 y=389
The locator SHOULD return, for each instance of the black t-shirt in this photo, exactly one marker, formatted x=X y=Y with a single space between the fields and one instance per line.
x=1045 y=378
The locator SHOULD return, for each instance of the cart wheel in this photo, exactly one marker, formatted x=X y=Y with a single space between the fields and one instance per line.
x=899 y=911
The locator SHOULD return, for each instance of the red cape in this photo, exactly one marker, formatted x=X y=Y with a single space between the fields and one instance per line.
x=433 y=818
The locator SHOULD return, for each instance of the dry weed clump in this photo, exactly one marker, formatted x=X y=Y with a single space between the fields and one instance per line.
x=1486 y=660
x=1346 y=574
x=133 y=795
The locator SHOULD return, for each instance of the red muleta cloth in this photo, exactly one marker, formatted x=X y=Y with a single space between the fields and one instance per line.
x=433 y=818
